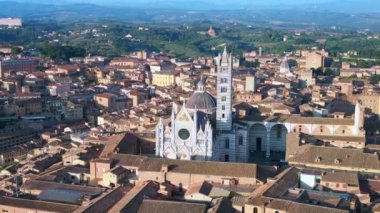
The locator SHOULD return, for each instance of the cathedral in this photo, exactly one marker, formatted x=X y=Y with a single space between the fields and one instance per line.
x=197 y=127
x=204 y=128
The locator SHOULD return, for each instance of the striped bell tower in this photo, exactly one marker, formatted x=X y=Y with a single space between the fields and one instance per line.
x=224 y=93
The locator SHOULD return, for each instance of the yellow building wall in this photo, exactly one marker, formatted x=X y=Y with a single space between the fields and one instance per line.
x=160 y=79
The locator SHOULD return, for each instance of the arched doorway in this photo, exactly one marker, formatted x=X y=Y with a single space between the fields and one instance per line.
x=259 y=144
x=257 y=138
x=278 y=134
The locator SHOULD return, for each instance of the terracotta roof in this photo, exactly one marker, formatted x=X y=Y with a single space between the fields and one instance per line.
x=105 y=95
x=202 y=188
x=128 y=160
x=131 y=201
x=30 y=185
x=337 y=157
x=289 y=179
x=295 y=207
x=118 y=170
x=350 y=178
x=190 y=167
x=111 y=143
x=105 y=202
x=158 y=206
x=272 y=196
x=201 y=167
x=37 y=205
x=276 y=187
x=222 y=205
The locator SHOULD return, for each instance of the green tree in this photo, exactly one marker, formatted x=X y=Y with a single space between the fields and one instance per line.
x=16 y=50
x=374 y=79
x=317 y=72
x=292 y=63
x=328 y=72
x=56 y=51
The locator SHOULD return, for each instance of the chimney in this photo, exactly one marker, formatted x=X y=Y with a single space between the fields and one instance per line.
x=164 y=168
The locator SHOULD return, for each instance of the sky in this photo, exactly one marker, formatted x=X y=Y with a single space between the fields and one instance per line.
x=327 y=5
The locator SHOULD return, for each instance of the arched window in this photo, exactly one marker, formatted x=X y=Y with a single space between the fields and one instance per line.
x=276 y=212
x=241 y=139
x=227 y=143
x=255 y=210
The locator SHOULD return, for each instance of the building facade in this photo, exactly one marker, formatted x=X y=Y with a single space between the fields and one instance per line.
x=197 y=131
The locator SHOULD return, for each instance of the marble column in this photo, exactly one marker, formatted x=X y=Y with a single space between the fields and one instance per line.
x=268 y=144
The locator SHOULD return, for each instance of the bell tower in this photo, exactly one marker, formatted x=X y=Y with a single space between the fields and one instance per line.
x=224 y=92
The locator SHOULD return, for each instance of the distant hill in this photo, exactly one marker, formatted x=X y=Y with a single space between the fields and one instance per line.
x=357 y=6
x=284 y=15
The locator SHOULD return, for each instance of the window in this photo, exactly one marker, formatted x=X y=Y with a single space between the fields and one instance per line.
x=223 y=89
x=321 y=129
x=223 y=80
x=184 y=134
x=226 y=158
x=224 y=98
x=343 y=131
x=327 y=184
x=223 y=107
x=227 y=143
x=337 y=161
x=241 y=139
x=337 y=185
x=276 y=212
x=223 y=115
x=255 y=210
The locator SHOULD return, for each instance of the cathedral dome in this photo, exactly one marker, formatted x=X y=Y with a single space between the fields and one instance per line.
x=201 y=100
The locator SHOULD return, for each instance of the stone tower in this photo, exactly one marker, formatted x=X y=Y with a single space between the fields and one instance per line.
x=224 y=92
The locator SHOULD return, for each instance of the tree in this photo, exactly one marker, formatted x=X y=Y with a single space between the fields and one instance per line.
x=328 y=72
x=375 y=79
x=317 y=72
x=62 y=52
x=16 y=50
x=292 y=63
x=254 y=64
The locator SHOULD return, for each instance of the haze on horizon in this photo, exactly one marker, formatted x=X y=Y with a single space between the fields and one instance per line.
x=361 y=6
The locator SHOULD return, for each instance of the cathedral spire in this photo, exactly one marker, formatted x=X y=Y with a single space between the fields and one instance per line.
x=225 y=55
